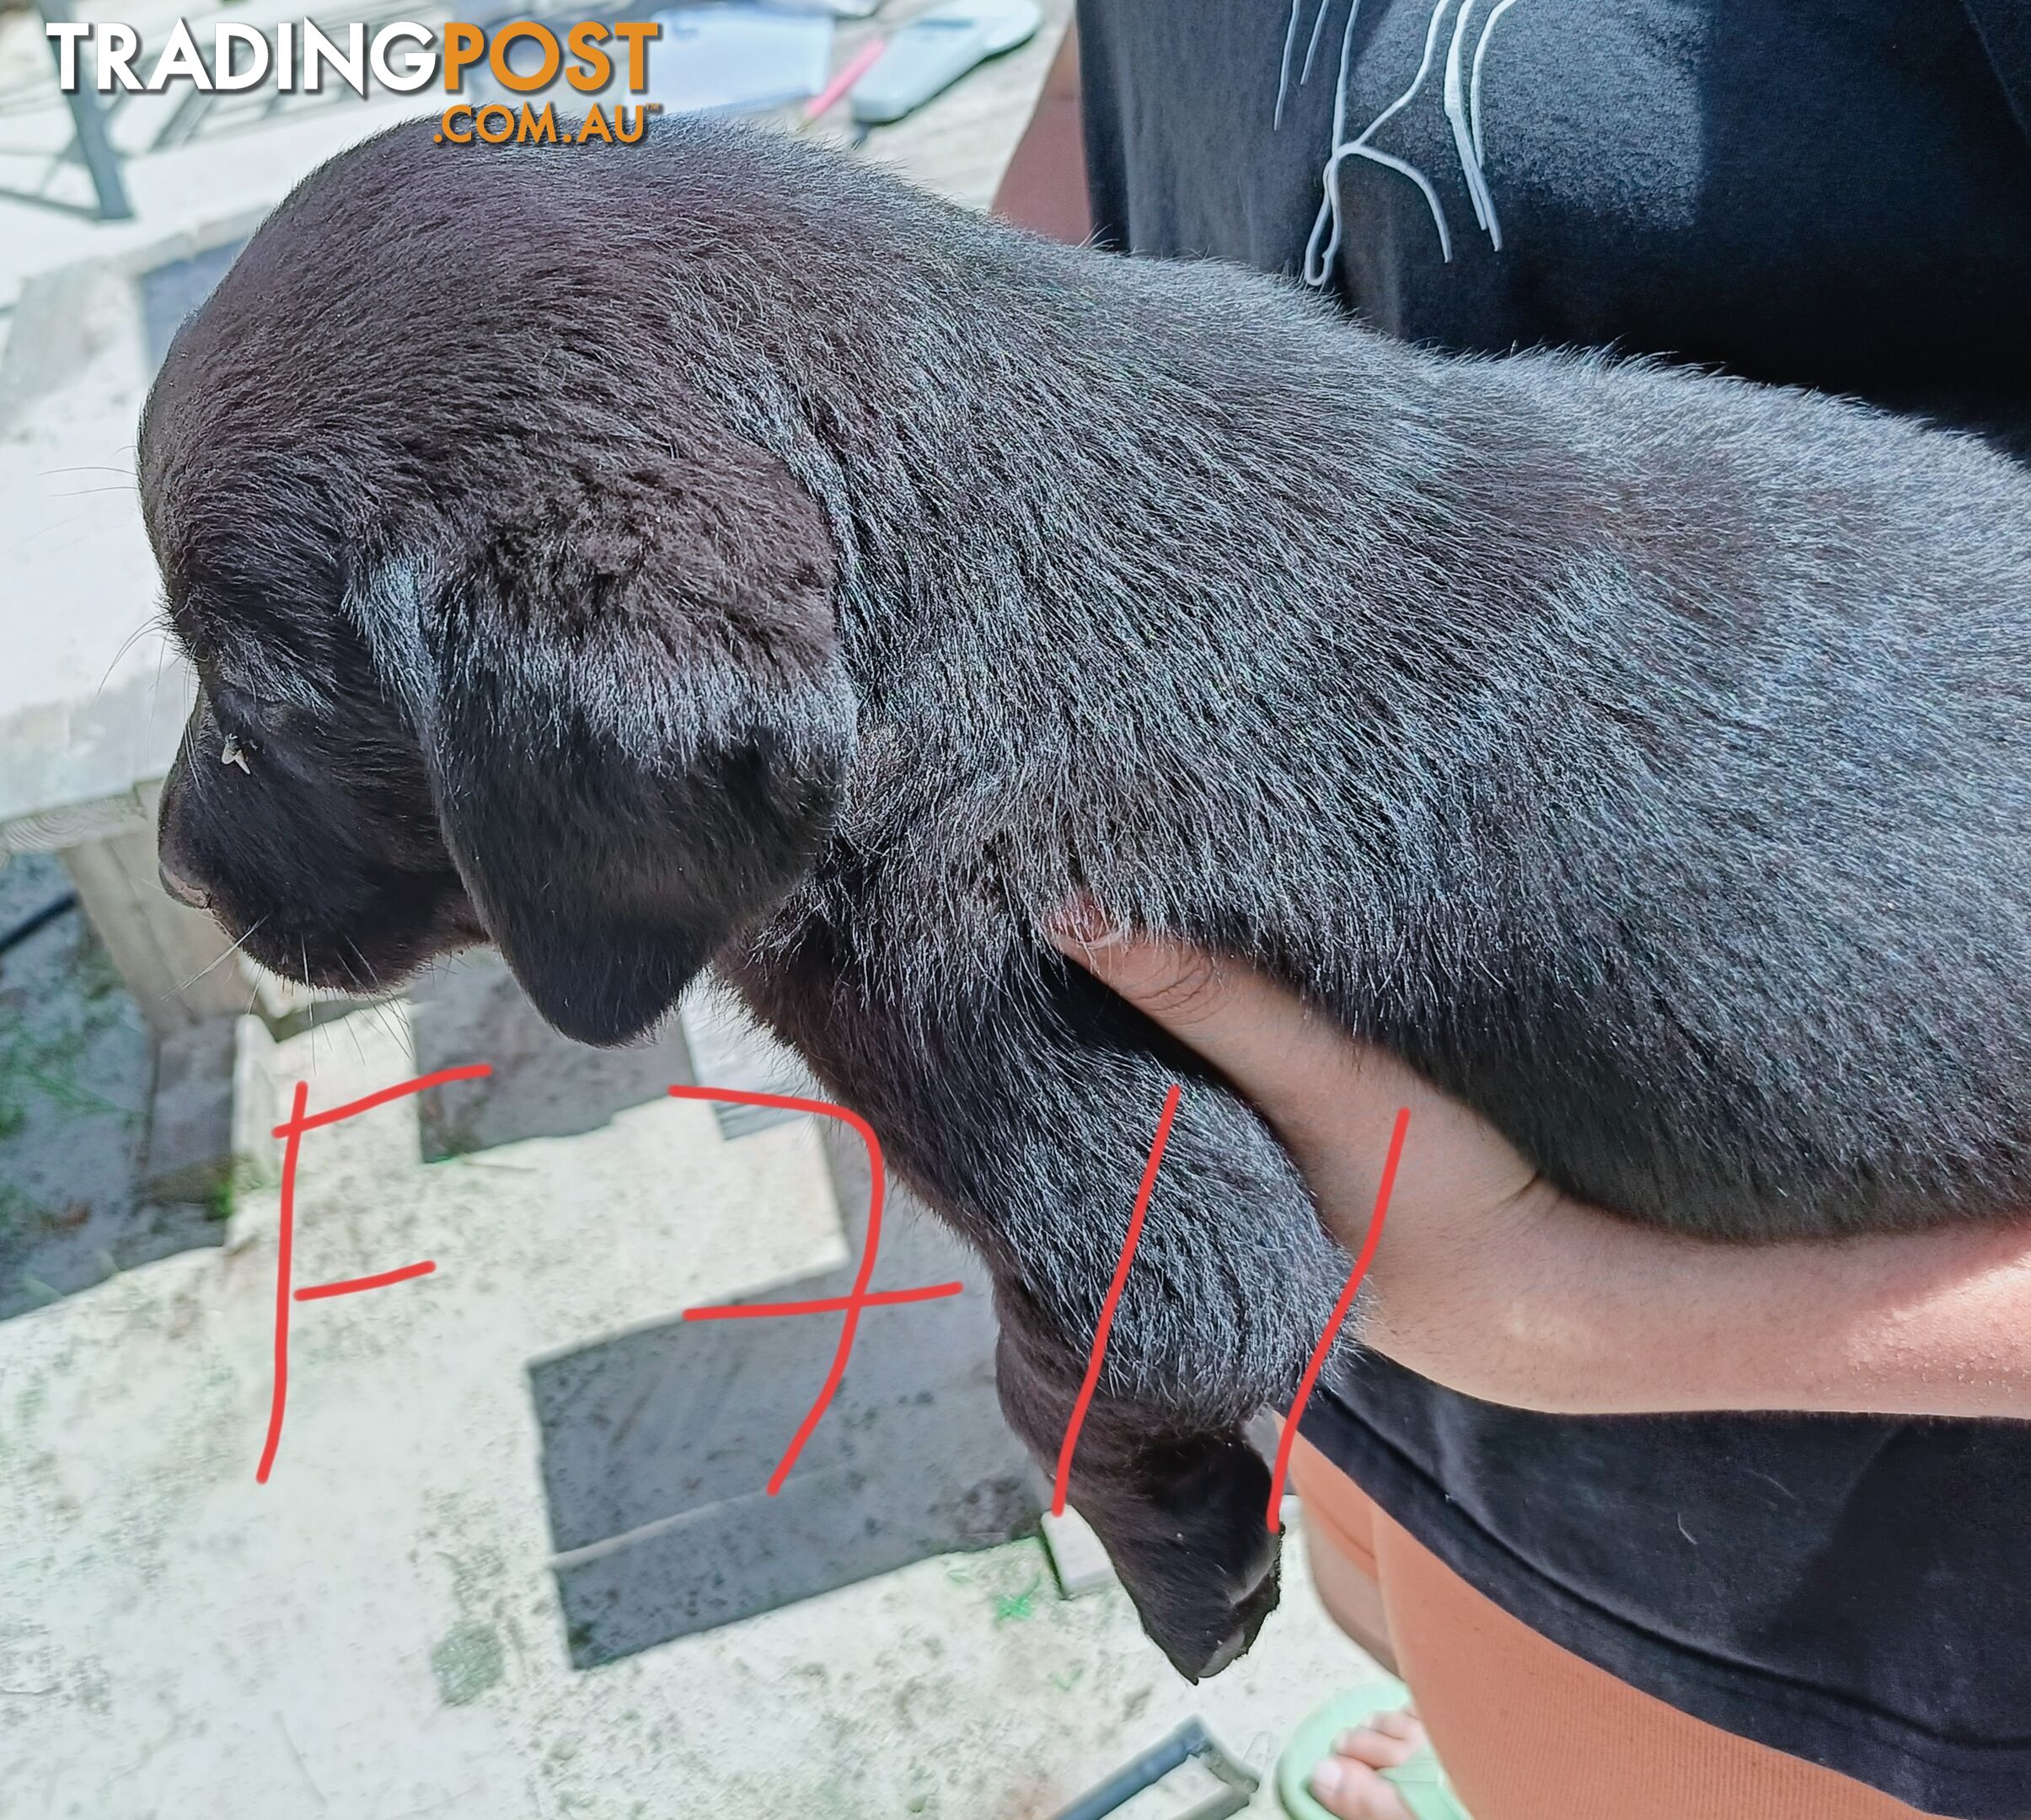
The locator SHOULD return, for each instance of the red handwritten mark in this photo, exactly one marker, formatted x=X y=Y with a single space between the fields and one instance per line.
x=827 y=1305
x=1107 y=1308
x=1317 y=1362
x=292 y=1135
x=354 y=1285
x=850 y=1305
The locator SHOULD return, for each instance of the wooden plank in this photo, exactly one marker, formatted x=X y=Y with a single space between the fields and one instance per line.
x=174 y=960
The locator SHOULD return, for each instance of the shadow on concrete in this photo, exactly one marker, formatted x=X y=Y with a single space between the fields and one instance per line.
x=171 y=292
x=55 y=205
x=657 y=1446
x=543 y=1085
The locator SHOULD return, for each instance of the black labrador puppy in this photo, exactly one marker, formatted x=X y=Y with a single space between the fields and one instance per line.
x=712 y=551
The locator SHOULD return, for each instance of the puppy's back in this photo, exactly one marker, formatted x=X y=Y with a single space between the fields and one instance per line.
x=1643 y=755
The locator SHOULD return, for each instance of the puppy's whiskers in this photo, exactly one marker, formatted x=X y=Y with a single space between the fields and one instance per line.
x=364 y=973
x=246 y=936
x=154 y=627
x=303 y=956
x=380 y=1005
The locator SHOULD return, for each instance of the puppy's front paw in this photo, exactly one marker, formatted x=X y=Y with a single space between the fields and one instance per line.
x=1183 y=1523
x=1178 y=1506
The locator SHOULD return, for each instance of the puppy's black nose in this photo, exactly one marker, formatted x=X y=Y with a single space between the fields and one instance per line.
x=182 y=890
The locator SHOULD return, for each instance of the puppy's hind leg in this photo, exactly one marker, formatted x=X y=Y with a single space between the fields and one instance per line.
x=1025 y=1119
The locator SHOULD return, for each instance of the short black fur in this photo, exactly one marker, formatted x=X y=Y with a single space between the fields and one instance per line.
x=712 y=549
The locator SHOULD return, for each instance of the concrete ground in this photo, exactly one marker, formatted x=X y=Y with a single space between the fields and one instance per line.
x=376 y=1631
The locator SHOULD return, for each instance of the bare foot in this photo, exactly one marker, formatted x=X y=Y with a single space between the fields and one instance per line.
x=1348 y=1784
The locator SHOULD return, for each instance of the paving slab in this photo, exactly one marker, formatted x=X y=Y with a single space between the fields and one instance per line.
x=658 y=1445
x=77 y=1069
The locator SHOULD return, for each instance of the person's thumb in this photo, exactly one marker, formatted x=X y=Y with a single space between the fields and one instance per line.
x=1333 y=1101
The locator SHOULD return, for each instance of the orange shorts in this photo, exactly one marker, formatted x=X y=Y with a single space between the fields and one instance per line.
x=1527 y=1731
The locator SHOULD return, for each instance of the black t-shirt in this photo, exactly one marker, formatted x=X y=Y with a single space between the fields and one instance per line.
x=1832 y=193
x=1835 y=193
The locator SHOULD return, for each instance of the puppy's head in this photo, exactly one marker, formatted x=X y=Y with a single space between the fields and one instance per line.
x=502 y=634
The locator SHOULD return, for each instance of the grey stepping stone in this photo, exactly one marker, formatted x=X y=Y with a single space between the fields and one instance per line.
x=542 y=1085
x=657 y=1446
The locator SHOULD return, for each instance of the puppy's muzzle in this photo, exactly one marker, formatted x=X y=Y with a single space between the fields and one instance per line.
x=182 y=890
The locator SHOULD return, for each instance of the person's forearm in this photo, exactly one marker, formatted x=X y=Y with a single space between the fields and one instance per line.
x=1612 y=1318
x=1044 y=188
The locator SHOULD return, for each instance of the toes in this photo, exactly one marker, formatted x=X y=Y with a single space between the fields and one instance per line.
x=1352 y=1790
x=1384 y=1743
x=1348 y=1784
x=1404 y=1724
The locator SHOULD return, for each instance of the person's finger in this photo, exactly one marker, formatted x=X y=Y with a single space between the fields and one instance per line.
x=1332 y=1100
x=1247 y=1025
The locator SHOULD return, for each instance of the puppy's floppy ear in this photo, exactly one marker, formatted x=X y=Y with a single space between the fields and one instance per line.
x=636 y=723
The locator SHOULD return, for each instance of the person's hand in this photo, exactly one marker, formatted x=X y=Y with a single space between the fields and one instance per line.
x=1489 y=1280
x=1462 y=1194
